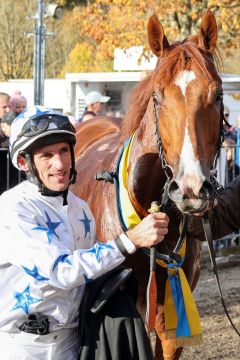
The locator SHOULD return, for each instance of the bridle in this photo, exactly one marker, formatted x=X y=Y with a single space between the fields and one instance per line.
x=205 y=219
x=165 y=166
x=168 y=169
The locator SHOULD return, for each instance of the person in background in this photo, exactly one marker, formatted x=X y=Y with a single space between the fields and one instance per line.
x=237 y=157
x=230 y=139
x=95 y=105
x=229 y=132
x=49 y=249
x=229 y=143
x=237 y=167
x=9 y=175
x=17 y=102
x=72 y=119
x=5 y=125
x=4 y=104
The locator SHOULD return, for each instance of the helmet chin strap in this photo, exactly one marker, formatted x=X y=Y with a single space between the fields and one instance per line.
x=33 y=178
x=73 y=172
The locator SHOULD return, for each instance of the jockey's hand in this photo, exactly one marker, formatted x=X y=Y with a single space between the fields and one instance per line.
x=150 y=231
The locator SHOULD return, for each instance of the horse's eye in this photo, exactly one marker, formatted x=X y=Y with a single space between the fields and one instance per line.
x=158 y=97
x=219 y=96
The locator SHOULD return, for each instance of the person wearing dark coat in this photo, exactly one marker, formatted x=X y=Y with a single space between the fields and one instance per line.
x=225 y=216
x=9 y=175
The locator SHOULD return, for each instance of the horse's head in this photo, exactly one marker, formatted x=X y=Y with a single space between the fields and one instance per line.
x=187 y=103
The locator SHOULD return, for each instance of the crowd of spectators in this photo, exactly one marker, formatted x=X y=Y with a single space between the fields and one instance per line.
x=230 y=159
x=10 y=107
x=231 y=143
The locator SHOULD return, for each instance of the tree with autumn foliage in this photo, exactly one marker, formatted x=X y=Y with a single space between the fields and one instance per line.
x=16 y=40
x=104 y=25
x=85 y=38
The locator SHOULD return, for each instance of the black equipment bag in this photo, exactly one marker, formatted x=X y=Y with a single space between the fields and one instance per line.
x=110 y=327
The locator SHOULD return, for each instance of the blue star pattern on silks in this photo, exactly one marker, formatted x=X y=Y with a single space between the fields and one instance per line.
x=96 y=249
x=86 y=223
x=34 y=273
x=24 y=300
x=33 y=112
x=62 y=258
x=50 y=229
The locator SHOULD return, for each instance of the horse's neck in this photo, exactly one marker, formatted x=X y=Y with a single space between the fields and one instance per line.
x=146 y=177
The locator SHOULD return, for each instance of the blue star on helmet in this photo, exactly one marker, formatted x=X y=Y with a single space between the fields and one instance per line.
x=49 y=229
x=62 y=258
x=86 y=223
x=40 y=111
x=24 y=300
x=96 y=249
x=33 y=111
x=34 y=273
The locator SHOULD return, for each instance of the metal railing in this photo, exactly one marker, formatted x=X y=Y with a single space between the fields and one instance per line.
x=228 y=165
x=9 y=175
x=228 y=168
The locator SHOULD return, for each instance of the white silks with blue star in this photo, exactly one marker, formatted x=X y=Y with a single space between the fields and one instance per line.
x=48 y=252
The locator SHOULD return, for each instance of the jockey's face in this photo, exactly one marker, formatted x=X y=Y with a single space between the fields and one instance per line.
x=52 y=165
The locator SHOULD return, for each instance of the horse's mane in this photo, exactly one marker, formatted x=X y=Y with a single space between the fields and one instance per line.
x=178 y=57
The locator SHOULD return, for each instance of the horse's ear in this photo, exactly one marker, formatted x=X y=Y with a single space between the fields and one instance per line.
x=208 y=32
x=156 y=37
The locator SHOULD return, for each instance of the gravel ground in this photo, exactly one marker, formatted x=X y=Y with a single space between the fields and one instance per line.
x=219 y=338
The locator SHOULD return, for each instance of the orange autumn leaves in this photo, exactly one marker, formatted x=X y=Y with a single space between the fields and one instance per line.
x=104 y=25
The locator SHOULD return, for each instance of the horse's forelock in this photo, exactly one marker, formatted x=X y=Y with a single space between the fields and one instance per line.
x=178 y=57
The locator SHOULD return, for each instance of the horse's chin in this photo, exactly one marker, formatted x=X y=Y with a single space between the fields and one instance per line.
x=192 y=206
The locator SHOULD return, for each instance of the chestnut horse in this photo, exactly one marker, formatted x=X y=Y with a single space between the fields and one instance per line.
x=94 y=129
x=176 y=116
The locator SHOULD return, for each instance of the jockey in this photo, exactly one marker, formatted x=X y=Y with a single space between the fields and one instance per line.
x=49 y=249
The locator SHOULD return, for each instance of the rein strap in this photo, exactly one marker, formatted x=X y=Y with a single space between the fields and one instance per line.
x=208 y=236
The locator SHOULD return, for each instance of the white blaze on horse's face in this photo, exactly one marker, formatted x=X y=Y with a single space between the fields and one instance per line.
x=190 y=176
x=183 y=79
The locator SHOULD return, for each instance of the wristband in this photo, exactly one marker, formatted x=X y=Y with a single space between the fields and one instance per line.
x=121 y=247
x=126 y=246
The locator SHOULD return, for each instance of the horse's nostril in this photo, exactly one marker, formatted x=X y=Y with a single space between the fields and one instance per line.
x=173 y=186
x=209 y=186
x=173 y=192
x=207 y=190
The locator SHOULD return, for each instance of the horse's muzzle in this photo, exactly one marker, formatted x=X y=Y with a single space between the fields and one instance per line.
x=189 y=202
